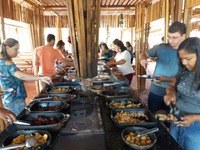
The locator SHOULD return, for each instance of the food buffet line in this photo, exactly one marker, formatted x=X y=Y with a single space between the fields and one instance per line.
x=79 y=114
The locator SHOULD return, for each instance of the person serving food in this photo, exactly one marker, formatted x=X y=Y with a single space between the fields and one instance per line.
x=12 y=78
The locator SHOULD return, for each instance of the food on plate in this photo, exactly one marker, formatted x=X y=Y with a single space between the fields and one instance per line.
x=171 y=117
x=60 y=90
x=22 y=139
x=56 y=98
x=164 y=117
x=130 y=117
x=140 y=141
x=124 y=104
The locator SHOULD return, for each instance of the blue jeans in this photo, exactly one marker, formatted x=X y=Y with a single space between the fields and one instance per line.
x=156 y=102
x=16 y=106
x=187 y=137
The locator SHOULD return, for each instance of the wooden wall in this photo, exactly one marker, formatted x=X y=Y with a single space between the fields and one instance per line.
x=53 y=21
x=32 y=16
x=114 y=21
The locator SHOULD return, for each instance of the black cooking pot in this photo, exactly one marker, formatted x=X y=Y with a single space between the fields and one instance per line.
x=8 y=140
x=54 y=96
x=47 y=106
x=56 y=124
x=118 y=93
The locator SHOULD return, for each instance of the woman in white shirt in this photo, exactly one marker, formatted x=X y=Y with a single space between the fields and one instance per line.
x=122 y=60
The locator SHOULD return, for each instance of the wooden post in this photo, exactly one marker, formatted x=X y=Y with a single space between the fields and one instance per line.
x=84 y=28
x=172 y=9
x=187 y=19
x=166 y=18
x=178 y=10
x=72 y=32
x=2 y=124
x=3 y=36
x=58 y=27
x=140 y=21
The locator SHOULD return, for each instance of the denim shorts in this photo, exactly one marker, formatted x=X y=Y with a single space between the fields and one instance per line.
x=187 y=137
x=16 y=106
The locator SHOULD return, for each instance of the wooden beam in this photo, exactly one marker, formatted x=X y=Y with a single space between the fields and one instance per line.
x=166 y=19
x=178 y=10
x=187 y=20
x=89 y=35
x=55 y=8
x=80 y=28
x=54 y=13
x=116 y=6
x=72 y=32
x=2 y=21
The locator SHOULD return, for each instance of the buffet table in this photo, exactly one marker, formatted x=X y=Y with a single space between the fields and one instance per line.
x=94 y=128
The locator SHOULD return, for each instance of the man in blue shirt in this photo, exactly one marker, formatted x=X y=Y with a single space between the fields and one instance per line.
x=166 y=66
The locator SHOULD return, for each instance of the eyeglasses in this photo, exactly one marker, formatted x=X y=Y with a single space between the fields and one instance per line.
x=173 y=37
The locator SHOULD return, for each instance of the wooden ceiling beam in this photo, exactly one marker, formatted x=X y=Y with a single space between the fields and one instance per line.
x=120 y=2
x=54 y=7
x=108 y=2
x=125 y=2
x=112 y=2
x=117 y=6
x=116 y=2
x=103 y=2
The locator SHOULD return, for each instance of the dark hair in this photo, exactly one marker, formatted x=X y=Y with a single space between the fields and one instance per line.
x=115 y=40
x=10 y=42
x=120 y=44
x=128 y=43
x=190 y=45
x=105 y=46
x=60 y=43
x=177 y=27
x=50 y=37
x=163 y=38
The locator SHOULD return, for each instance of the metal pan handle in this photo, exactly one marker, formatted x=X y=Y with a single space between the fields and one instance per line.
x=66 y=117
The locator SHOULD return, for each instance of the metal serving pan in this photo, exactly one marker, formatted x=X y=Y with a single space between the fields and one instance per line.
x=118 y=93
x=60 y=120
x=124 y=103
x=47 y=106
x=70 y=86
x=134 y=146
x=54 y=96
x=150 y=121
x=8 y=140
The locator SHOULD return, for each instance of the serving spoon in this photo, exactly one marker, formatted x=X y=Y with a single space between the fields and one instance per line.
x=147 y=131
x=30 y=142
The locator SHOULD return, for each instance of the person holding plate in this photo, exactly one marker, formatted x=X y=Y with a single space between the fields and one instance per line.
x=184 y=92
